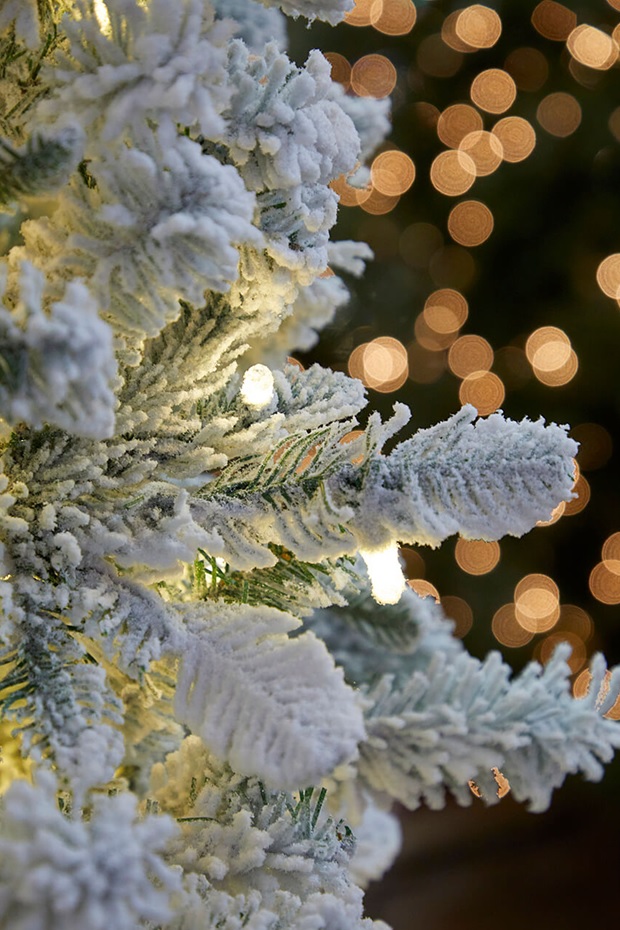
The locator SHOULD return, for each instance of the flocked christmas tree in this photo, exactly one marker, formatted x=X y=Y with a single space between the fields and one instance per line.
x=214 y=681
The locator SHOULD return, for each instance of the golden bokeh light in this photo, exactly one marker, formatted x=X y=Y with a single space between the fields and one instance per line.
x=360 y=14
x=445 y=311
x=354 y=364
x=559 y=114
x=507 y=630
x=348 y=195
x=575 y=620
x=373 y=76
x=423 y=588
x=393 y=17
x=425 y=365
x=436 y=58
x=576 y=660
x=478 y=26
x=546 y=335
x=592 y=47
x=582 y=489
x=604 y=581
x=608 y=276
x=456 y=122
x=484 y=149
x=378 y=204
x=392 y=173
x=595 y=445
x=493 y=90
x=450 y=35
x=484 y=390
x=551 y=356
x=611 y=548
x=470 y=354
x=431 y=339
x=475 y=556
x=460 y=612
x=553 y=20
x=415 y=566
x=384 y=364
x=418 y=243
x=470 y=223
x=537 y=603
x=581 y=688
x=581 y=684
x=341 y=68
x=516 y=136
x=503 y=785
x=528 y=67
x=557 y=377
x=453 y=173
x=536 y=582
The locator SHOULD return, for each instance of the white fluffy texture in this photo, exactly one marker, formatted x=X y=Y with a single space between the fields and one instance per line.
x=61 y=872
x=160 y=226
x=272 y=706
x=162 y=60
x=24 y=15
x=254 y=24
x=459 y=719
x=332 y=12
x=59 y=367
x=121 y=557
x=349 y=256
x=370 y=117
x=482 y=481
x=379 y=838
x=316 y=396
x=439 y=717
x=289 y=140
x=315 y=306
x=274 y=856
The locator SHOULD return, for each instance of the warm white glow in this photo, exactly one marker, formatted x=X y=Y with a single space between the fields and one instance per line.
x=257 y=387
x=103 y=17
x=385 y=573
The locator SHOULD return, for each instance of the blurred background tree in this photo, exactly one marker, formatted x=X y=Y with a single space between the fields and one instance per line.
x=494 y=214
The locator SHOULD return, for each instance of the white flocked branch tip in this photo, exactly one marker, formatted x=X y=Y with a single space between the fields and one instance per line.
x=257 y=387
x=385 y=573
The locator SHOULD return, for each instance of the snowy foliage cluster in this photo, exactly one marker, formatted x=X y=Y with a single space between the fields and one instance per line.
x=209 y=660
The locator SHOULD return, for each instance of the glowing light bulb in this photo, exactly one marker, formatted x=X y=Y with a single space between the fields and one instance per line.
x=386 y=575
x=257 y=387
x=103 y=17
